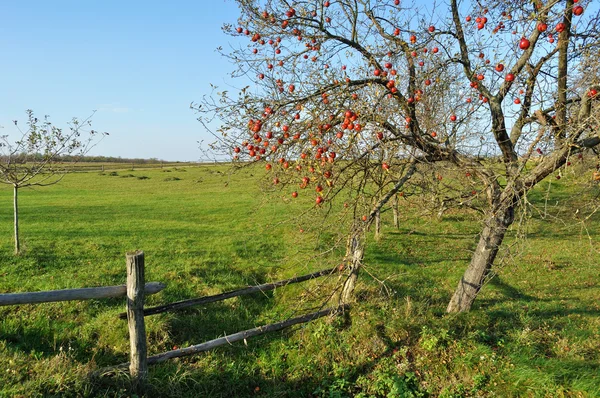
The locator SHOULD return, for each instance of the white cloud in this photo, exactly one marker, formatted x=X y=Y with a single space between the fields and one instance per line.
x=115 y=108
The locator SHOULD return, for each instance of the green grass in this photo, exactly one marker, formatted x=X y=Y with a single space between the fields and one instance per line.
x=534 y=331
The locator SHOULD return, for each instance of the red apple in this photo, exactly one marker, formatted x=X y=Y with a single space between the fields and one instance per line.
x=542 y=27
x=500 y=67
x=510 y=77
x=524 y=44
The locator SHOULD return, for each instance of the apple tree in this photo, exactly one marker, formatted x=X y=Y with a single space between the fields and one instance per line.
x=353 y=99
x=32 y=157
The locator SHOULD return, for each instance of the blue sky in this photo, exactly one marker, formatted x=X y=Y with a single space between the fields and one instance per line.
x=138 y=63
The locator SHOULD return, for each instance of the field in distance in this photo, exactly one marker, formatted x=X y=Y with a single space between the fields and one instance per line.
x=534 y=331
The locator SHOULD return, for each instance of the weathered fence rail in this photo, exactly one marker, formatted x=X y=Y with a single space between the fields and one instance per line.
x=179 y=305
x=232 y=338
x=88 y=293
x=136 y=289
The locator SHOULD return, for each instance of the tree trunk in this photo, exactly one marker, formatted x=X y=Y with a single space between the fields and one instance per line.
x=354 y=255
x=16 y=218
x=490 y=240
x=395 y=211
x=378 y=225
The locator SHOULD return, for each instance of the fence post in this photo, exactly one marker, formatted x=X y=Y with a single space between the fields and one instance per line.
x=138 y=367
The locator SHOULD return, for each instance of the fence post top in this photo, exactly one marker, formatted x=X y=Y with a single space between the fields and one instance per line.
x=135 y=253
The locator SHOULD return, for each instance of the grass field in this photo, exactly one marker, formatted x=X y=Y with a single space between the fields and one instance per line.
x=534 y=331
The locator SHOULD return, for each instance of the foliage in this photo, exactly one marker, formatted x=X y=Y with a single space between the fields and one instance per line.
x=344 y=96
x=33 y=158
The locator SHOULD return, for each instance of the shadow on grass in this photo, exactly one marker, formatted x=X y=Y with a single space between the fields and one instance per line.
x=509 y=291
x=37 y=329
x=243 y=378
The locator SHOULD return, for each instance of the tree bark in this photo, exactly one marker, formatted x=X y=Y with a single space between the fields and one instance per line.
x=490 y=240
x=354 y=256
x=395 y=211
x=378 y=225
x=562 y=71
x=16 y=218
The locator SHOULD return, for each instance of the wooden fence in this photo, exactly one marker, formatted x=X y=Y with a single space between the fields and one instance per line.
x=136 y=289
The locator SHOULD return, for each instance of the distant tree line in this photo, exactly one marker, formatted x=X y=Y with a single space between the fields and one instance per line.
x=27 y=157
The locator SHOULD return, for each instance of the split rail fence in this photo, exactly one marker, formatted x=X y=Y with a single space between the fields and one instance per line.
x=136 y=289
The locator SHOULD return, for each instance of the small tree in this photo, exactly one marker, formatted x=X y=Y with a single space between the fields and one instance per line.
x=492 y=91
x=34 y=158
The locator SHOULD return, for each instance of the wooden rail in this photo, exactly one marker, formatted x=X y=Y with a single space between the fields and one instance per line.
x=234 y=293
x=232 y=338
x=74 y=294
x=136 y=289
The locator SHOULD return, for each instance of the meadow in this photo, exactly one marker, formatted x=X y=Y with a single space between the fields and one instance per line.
x=534 y=330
